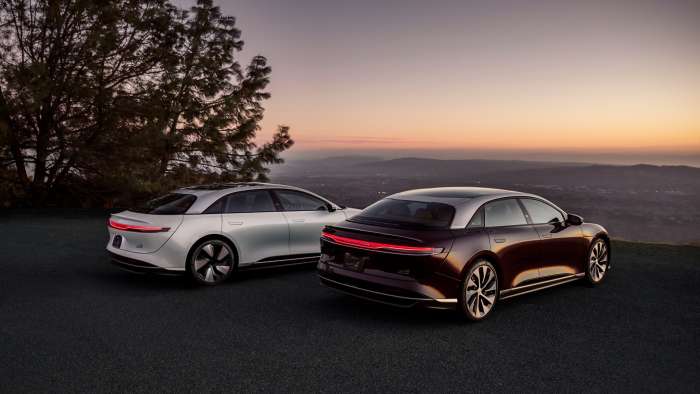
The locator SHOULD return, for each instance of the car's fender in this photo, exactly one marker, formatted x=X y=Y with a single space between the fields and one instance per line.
x=592 y=230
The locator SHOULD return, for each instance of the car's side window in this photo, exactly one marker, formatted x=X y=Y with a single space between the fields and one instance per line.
x=477 y=220
x=505 y=212
x=292 y=200
x=216 y=207
x=249 y=201
x=541 y=212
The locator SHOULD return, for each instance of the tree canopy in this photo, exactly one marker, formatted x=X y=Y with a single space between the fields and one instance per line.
x=114 y=99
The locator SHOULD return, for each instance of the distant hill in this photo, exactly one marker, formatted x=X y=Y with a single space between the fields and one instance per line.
x=327 y=165
x=637 y=177
x=419 y=161
x=640 y=177
x=431 y=167
x=637 y=202
x=410 y=166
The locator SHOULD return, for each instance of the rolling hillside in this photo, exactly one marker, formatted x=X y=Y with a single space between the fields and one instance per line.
x=639 y=203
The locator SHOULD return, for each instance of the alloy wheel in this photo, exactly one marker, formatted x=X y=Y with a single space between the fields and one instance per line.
x=212 y=262
x=481 y=291
x=598 y=261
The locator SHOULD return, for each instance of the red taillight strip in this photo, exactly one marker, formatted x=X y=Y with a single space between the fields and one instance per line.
x=132 y=227
x=358 y=243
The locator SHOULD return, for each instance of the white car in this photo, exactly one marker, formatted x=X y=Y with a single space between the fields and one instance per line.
x=210 y=231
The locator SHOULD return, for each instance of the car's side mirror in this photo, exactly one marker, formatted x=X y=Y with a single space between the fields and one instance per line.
x=574 y=219
x=327 y=207
x=556 y=222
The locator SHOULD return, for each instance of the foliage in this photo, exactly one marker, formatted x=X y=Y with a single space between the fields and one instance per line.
x=122 y=98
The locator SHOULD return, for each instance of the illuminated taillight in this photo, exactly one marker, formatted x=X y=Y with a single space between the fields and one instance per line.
x=133 y=227
x=380 y=246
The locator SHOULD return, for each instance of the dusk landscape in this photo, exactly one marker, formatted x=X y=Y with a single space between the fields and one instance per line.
x=129 y=130
x=587 y=103
x=646 y=203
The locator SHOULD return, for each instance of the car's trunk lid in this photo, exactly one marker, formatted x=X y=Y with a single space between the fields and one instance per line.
x=140 y=232
x=386 y=251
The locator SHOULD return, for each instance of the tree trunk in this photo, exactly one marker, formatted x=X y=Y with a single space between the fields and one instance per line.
x=8 y=127
x=42 y=141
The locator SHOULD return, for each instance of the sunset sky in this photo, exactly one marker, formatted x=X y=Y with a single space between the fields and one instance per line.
x=590 y=76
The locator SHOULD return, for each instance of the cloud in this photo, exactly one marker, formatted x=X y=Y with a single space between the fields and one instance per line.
x=365 y=140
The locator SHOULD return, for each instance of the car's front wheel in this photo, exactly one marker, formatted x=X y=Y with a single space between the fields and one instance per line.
x=211 y=262
x=598 y=261
x=479 y=291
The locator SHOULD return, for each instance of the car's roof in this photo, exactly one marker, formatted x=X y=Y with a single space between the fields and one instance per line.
x=210 y=193
x=452 y=195
x=228 y=185
x=466 y=200
x=455 y=192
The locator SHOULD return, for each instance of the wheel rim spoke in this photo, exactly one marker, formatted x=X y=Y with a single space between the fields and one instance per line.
x=199 y=263
x=490 y=284
x=471 y=302
x=208 y=249
x=209 y=274
x=222 y=269
x=222 y=254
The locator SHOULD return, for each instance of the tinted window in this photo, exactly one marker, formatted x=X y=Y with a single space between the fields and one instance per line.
x=541 y=212
x=505 y=212
x=407 y=213
x=250 y=201
x=216 y=207
x=169 y=204
x=297 y=201
x=477 y=220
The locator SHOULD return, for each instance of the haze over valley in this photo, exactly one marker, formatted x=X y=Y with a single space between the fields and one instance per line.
x=645 y=203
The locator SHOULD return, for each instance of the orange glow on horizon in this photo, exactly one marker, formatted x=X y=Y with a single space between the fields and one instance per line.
x=480 y=75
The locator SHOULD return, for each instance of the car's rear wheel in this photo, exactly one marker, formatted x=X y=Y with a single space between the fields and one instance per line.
x=479 y=291
x=211 y=262
x=598 y=261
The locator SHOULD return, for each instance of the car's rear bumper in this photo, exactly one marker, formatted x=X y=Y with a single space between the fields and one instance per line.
x=385 y=293
x=139 y=266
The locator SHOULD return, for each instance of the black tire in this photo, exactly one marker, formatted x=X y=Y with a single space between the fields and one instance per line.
x=479 y=291
x=211 y=261
x=597 y=261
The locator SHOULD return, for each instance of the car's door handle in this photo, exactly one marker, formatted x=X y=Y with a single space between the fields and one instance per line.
x=298 y=220
x=235 y=223
x=546 y=235
x=499 y=240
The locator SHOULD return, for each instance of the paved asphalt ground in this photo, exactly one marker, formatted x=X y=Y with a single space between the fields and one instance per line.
x=69 y=321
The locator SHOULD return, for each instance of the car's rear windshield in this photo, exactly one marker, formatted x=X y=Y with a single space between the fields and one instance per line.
x=169 y=204
x=407 y=213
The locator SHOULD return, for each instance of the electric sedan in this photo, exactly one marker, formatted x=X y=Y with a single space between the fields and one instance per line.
x=460 y=247
x=210 y=231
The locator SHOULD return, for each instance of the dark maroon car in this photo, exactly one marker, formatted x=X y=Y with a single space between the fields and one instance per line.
x=460 y=246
